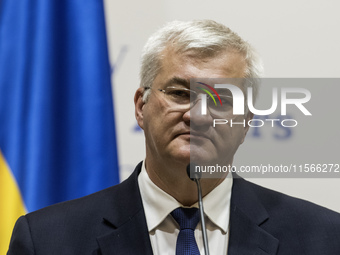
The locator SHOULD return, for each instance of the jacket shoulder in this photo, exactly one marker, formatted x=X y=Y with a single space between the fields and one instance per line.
x=111 y=200
x=72 y=227
x=277 y=201
x=299 y=224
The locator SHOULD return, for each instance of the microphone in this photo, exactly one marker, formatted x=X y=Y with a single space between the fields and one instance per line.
x=196 y=178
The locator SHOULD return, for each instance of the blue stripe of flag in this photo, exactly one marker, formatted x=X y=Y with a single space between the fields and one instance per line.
x=57 y=128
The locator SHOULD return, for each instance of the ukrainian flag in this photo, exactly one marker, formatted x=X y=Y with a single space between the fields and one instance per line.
x=57 y=129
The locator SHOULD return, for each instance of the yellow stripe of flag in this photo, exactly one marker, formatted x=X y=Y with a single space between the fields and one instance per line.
x=11 y=204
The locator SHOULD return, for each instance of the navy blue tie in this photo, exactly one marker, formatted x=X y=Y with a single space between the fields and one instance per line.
x=187 y=219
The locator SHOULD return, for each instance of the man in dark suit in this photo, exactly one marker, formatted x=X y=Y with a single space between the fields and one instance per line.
x=154 y=210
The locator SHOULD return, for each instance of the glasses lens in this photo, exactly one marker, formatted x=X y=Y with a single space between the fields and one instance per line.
x=221 y=106
x=182 y=98
x=179 y=96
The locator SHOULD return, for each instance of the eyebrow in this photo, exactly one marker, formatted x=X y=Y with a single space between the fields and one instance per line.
x=178 y=80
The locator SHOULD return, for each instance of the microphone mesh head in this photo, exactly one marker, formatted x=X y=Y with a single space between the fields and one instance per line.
x=192 y=173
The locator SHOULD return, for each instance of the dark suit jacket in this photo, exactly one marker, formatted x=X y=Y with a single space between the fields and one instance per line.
x=112 y=221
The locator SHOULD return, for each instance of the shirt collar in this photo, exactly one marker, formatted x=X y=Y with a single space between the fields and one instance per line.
x=158 y=204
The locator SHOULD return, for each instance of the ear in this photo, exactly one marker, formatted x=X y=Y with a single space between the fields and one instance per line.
x=139 y=105
x=249 y=116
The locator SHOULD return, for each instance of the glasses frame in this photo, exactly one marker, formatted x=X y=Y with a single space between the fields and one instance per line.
x=188 y=106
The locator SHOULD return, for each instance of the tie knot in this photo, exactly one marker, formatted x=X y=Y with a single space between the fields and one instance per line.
x=187 y=218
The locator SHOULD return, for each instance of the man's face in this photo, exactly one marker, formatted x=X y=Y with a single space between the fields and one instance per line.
x=174 y=137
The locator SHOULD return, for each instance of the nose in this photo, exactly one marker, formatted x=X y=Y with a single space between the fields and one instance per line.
x=197 y=116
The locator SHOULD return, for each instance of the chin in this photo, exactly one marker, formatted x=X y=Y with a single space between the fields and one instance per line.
x=202 y=150
x=180 y=156
x=203 y=158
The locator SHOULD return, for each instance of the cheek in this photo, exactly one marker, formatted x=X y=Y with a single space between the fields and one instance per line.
x=159 y=122
x=230 y=137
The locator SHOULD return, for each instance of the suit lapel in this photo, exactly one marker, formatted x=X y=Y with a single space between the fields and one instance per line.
x=131 y=238
x=128 y=232
x=247 y=214
x=126 y=219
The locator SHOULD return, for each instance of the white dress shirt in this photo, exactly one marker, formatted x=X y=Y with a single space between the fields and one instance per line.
x=163 y=229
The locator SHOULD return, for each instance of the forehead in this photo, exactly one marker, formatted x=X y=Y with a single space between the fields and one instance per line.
x=227 y=64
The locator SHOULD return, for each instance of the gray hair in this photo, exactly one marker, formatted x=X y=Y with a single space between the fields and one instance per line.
x=207 y=39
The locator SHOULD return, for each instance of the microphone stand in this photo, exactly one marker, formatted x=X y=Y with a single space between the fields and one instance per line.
x=200 y=205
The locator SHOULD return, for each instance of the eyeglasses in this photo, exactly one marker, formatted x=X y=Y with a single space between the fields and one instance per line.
x=182 y=99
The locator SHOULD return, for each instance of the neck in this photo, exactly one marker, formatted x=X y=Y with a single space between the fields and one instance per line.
x=173 y=180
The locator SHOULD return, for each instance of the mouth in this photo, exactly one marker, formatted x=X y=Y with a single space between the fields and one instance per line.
x=193 y=135
x=198 y=136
